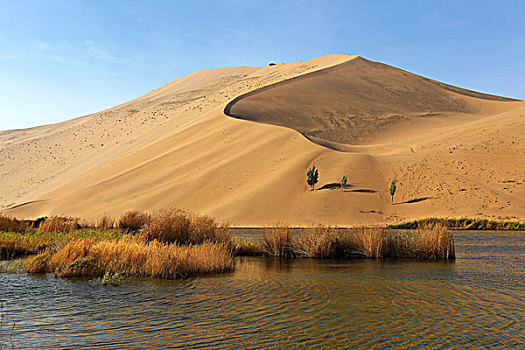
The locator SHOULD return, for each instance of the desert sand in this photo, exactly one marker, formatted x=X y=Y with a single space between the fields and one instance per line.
x=235 y=143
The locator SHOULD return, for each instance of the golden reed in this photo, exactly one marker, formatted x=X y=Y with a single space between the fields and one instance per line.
x=130 y=256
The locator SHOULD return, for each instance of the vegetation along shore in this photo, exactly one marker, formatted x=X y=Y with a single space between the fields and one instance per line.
x=462 y=224
x=175 y=244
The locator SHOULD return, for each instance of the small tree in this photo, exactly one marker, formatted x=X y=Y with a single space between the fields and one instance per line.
x=343 y=183
x=312 y=177
x=392 y=190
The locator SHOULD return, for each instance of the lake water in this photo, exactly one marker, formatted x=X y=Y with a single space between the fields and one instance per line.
x=478 y=302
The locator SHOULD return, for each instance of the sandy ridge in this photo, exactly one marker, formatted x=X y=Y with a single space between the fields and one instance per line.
x=176 y=146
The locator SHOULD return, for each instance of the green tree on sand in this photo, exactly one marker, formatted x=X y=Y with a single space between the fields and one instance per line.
x=392 y=190
x=312 y=177
x=343 y=183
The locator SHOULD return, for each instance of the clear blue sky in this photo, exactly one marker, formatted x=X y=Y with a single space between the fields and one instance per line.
x=64 y=59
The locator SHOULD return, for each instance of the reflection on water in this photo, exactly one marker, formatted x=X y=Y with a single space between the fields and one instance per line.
x=475 y=302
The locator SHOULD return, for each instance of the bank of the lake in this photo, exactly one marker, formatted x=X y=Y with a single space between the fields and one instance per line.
x=176 y=244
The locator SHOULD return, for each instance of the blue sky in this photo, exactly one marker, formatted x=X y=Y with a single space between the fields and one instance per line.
x=65 y=59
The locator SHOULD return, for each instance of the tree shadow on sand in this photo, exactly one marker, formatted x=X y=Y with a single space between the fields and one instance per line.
x=337 y=186
x=415 y=200
x=362 y=190
x=333 y=186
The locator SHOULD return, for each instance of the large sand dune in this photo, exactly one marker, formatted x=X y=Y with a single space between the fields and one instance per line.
x=455 y=152
x=360 y=101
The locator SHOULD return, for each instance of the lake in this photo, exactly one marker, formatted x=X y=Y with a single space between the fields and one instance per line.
x=478 y=301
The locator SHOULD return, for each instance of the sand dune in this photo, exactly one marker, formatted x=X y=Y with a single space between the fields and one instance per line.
x=359 y=101
x=455 y=152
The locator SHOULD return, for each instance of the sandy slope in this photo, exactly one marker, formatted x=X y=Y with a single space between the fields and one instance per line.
x=359 y=101
x=454 y=152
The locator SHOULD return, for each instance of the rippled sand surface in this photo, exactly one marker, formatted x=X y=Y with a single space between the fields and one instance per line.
x=476 y=302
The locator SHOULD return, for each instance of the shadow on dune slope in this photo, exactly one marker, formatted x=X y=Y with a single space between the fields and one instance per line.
x=353 y=102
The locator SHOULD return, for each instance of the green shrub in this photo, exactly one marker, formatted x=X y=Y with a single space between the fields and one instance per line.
x=312 y=177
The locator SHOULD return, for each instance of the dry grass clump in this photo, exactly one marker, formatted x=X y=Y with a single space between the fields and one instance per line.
x=14 y=244
x=11 y=248
x=131 y=256
x=11 y=224
x=133 y=220
x=433 y=241
x=324 y=242
x=176 y=225
x=363 y=242
x=462 y=224
x=205 y=229
x=278 y=241
x=17 y=266
x=39 y=263
x=57 y=224
x=171 y=244
x=243 y=247
x=315 y=243
x=106 y=223
x=429 y=242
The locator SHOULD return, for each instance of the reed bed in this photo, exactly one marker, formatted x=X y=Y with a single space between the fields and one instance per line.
x=243 y=247
x=183 y=227
x=171 y=243
x=432 y=241
x=277 y=242
x=362 y=242
x=428 y=242
x=175 y=243
x=316 y=243
x=462 y=224
x=10 y=224
x=130 y=256
x=133 y=221
x=57 y=224
x=15 y=244
x=106 y=222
